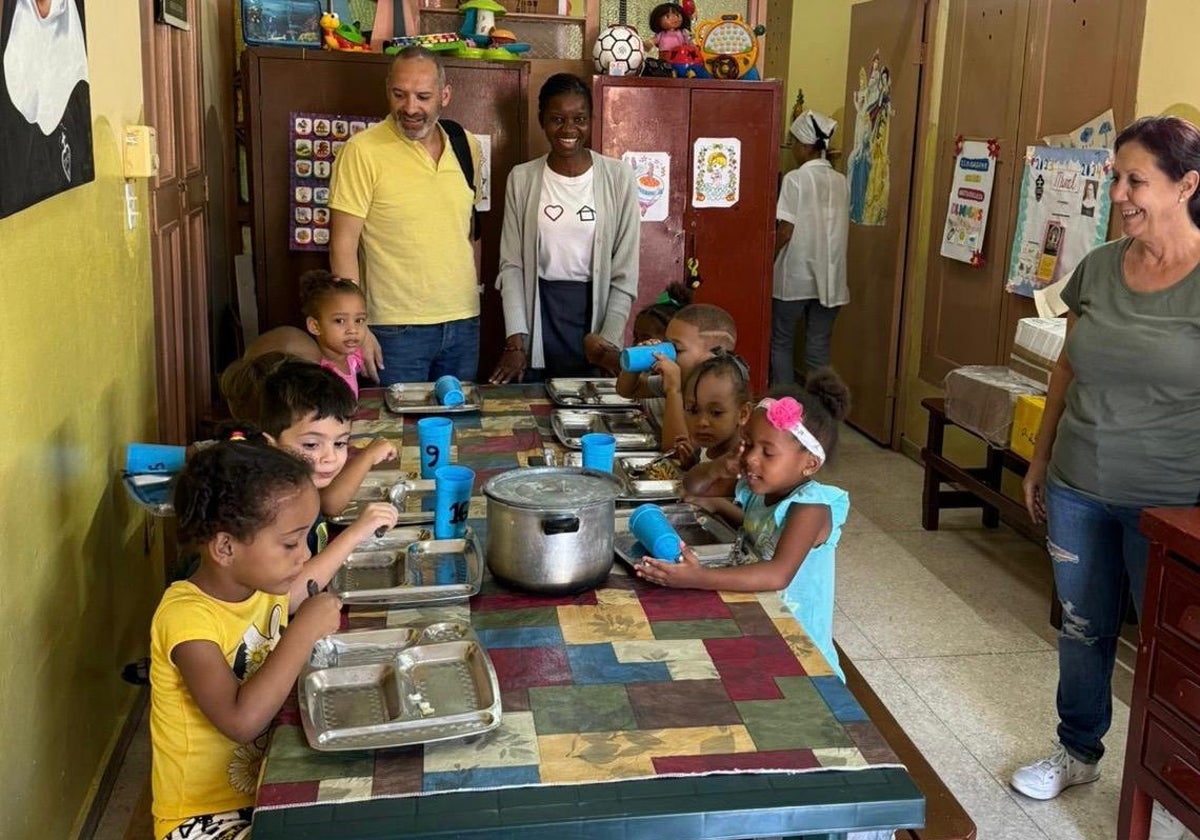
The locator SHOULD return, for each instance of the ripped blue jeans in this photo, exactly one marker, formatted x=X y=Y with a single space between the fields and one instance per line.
x=1093 y=548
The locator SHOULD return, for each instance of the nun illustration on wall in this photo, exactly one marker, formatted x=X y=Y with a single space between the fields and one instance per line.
x=45 y=108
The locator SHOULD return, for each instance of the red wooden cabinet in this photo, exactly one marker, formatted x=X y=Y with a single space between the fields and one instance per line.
x=1162 y=754
x=734 y=245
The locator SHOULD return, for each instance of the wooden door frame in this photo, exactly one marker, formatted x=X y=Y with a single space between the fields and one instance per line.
x=913 y=235
x=181 y=399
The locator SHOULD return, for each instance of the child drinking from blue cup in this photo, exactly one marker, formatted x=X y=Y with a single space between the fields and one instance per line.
x=695 y=332
x=793 y=522
x=220 y=667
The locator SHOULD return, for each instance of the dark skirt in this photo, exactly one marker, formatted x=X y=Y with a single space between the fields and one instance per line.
x=566 y=311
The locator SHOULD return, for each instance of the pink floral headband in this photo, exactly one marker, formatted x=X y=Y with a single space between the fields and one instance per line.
x=787 y=415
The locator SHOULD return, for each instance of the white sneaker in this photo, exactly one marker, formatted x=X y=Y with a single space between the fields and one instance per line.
x=1047 y=778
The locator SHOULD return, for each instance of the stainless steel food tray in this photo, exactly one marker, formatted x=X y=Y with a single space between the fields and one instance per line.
x=589 y=393
x=421 y=398
x=398 y=687
x=417 y=573
x=413 y=498
x=639 y=489
x=712 y=539
x=630 y=428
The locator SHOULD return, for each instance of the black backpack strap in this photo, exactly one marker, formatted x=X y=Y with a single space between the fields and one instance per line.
x=462 y=151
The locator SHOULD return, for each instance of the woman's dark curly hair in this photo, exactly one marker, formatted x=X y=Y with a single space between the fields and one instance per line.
x=317 y=285
x=234 y=486
x=563 y=84
x=826 y=401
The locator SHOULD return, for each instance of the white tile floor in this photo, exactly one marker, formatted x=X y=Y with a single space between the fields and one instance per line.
x=951 y=629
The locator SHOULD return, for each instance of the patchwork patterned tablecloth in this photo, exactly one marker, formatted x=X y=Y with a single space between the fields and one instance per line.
x=626 y=681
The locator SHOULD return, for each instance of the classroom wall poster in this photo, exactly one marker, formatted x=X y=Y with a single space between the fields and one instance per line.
x=1061 y=215
x=315 y=140
x=45 y=102
x=867 y=165
x=716 y=171
x=970 y=197
x=653 y=173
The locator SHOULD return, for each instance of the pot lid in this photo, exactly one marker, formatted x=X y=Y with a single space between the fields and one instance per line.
x=553 y=487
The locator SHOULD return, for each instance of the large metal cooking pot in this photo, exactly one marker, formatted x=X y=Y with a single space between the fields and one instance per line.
x=550 y=529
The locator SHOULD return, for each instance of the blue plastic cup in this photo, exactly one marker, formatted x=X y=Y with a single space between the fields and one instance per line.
x=154 y=458
x=641 y=357
x=449 y=391
x=433 y=438
x=598 y=451
x=650 y=526
x=453 y=494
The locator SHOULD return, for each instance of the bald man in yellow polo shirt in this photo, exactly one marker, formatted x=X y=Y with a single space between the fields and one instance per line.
x=399 y=196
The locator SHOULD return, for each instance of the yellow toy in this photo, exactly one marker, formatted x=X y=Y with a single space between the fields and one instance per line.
x=729 y=47
x=342 y=36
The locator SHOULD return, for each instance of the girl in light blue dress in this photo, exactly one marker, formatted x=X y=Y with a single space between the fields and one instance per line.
x=792 y=522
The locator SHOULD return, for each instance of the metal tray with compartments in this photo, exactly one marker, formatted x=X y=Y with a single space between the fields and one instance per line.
x=631 y=428
x=715 y=542
x=397 y=687
x=421 y=398
x=588 y=393
x=414 y=573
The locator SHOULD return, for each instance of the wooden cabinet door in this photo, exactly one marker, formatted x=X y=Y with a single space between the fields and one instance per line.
x=648 y=118
x=886 y=38
x=734 y=244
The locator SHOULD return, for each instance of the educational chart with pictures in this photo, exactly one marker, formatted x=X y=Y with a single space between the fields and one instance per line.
x=1061 y=215
x=316 y=140
x=970 y=196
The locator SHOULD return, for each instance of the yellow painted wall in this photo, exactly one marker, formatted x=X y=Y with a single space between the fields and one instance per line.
x=77 y=375
x=1166 y=81
x=820 y=44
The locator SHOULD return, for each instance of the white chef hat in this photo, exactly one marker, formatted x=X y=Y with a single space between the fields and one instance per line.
x=813 y=128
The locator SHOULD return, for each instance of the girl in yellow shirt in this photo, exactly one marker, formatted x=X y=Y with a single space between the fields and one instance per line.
x=220 y=669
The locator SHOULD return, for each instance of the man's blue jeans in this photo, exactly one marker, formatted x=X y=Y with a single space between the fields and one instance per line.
x=1093 y=548
x=424 y=352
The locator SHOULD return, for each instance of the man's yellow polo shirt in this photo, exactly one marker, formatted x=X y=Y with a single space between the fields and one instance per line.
x=419 y=267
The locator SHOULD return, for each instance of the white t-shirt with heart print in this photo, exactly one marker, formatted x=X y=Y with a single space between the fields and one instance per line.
x=566 y=226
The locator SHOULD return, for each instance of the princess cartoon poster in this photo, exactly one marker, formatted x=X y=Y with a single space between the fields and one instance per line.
x=867 y=165
x=716 y=171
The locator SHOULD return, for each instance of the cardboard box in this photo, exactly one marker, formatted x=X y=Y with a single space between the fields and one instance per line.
x=1036 y=347
x=981 y=399
x=1027 y=419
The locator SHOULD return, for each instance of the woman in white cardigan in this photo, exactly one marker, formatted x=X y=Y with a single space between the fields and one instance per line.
x=569 y=249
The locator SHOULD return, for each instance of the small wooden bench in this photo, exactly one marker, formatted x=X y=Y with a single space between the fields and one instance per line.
x=975 y=486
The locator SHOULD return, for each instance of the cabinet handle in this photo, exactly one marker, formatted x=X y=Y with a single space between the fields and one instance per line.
x=1183 y=777
x=1189 y=622
x=1187 y=696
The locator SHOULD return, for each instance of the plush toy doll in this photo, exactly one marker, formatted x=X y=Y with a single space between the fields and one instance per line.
x=672 y=27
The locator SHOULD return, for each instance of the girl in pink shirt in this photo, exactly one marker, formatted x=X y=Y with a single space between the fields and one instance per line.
x=336 y=315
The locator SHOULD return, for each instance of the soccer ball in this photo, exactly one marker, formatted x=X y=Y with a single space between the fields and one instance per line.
x=619 y=51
